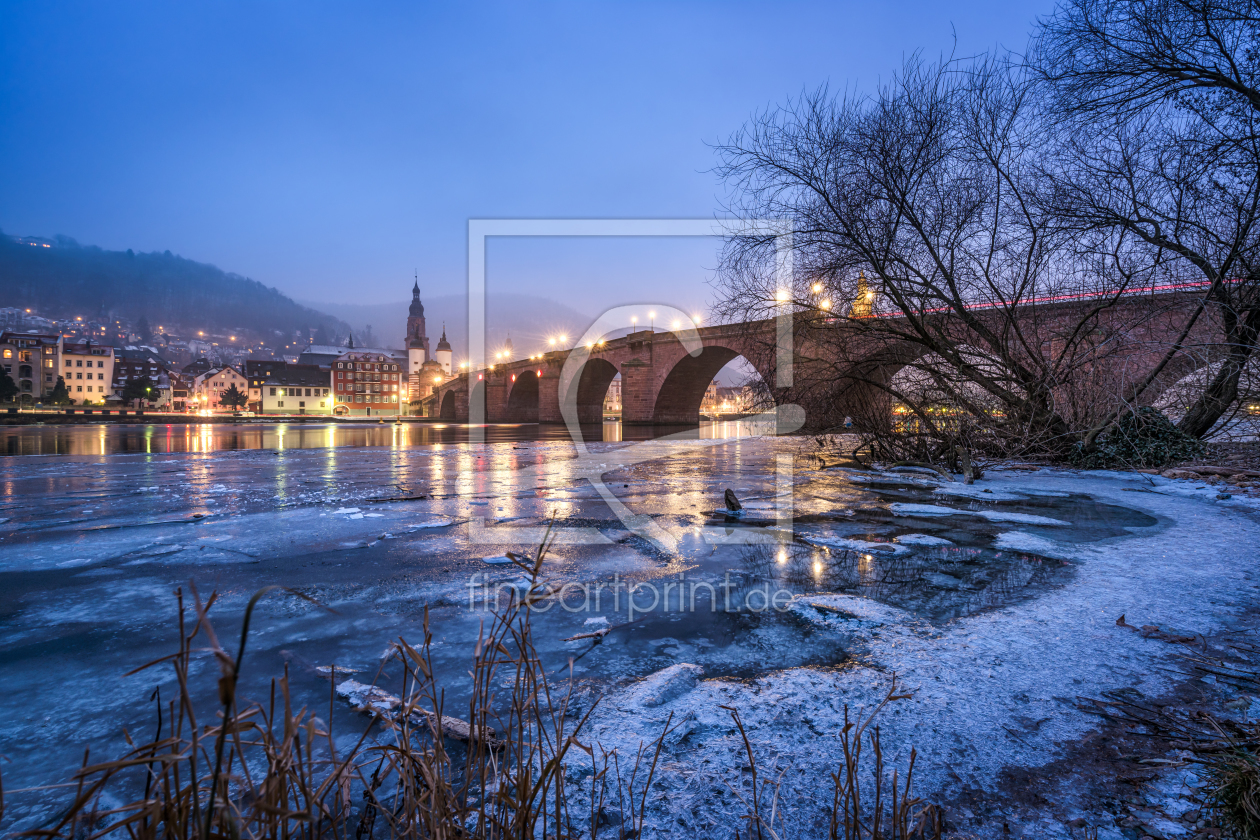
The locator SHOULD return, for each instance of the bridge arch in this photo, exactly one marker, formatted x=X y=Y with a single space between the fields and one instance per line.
x=591 y=386
x=522 y=399
x=1241 y=419
x=681 y=393
x=446 y=411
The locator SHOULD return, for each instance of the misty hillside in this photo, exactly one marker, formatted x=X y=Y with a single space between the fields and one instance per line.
x=527 y=318
x=69 y=280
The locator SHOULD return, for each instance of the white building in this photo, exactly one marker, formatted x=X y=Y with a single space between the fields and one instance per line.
x=88 y=370
x=208 y=388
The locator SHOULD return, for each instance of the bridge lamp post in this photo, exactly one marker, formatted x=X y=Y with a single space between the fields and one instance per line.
x=652 y=321
x=634 y=319
x=695 y=319
x=677 y=325
x=564 y=339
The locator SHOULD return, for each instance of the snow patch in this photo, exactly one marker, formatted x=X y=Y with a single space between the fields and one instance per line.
x=922 y=539
x=854 y=545
x=1020 y=541
x=664 y=686
x=840 y=611
x=909 y=509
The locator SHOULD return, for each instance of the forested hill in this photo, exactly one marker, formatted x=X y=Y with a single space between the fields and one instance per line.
x=68 y=280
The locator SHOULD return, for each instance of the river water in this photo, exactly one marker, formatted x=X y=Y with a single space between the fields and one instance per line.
x=101 y=525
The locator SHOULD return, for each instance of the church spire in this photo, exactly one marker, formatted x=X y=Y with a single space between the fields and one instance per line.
x=415 y=289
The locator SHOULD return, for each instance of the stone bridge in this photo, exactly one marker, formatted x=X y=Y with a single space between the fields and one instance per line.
x=663 y=382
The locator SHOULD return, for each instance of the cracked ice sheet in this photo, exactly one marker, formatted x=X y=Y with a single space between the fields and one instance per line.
x=69 y=648
x=975 y=680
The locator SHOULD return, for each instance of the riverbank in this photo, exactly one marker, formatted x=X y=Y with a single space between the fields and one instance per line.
x=994 y=604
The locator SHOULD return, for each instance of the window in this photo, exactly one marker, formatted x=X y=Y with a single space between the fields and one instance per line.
x=280 y=404
x=8 y=354
x=308 y=393
x=273 y=392
x=100 y=364
x=78 y=376
x=302 y=404
x=78 y=363
x=79 y=388
x=321 y=403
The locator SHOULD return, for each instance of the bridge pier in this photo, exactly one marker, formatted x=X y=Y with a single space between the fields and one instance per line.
x=638 y=396
x=496 y=397
x=549 y=396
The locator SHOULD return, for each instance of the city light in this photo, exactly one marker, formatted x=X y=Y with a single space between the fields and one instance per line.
x=563 y=339
x=826 y=304
x=783 y=296
x=817 y=288
x=695 y=319
x=677 y=324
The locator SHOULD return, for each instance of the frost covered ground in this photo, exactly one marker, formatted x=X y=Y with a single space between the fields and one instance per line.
x=995 y=604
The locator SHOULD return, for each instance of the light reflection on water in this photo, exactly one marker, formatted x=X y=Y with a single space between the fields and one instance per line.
x=111 y=439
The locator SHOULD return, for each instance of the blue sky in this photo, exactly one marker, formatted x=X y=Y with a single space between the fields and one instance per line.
x=332 y=149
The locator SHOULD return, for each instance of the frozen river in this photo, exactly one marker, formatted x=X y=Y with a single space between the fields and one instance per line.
x=379 y=523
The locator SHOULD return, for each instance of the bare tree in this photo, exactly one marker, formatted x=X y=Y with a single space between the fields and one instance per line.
x=1162 y=99
x=928 y=275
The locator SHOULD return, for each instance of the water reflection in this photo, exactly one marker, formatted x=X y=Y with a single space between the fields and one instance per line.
x=110 y=439
x=936 y=582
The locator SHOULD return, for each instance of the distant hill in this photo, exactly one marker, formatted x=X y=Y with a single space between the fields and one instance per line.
x=68 y=279
x=528 y=319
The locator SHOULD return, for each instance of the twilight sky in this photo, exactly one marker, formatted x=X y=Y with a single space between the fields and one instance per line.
x=330 y=149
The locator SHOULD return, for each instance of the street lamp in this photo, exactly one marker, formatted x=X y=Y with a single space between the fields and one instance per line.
x=652 y=321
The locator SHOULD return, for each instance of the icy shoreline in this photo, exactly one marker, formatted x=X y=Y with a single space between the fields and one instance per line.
x=992 y=691
x=92 y=559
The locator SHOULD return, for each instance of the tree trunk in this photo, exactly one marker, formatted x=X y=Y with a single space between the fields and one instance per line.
x=1222 y=391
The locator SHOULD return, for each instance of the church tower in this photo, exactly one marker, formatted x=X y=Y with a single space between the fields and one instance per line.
x=417 y=338
x=443 y=353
